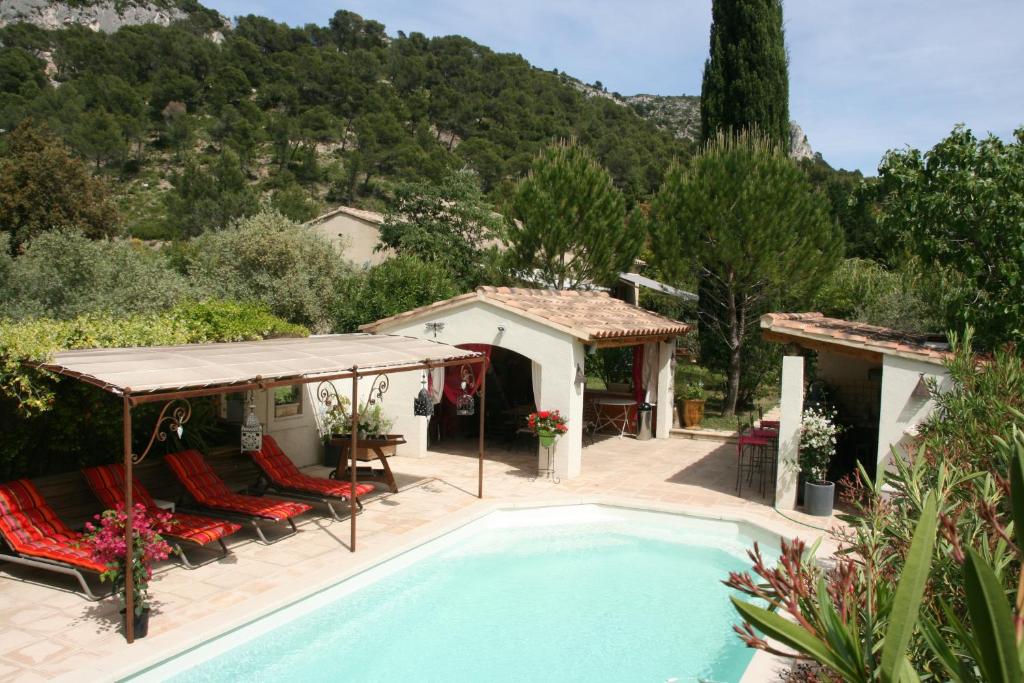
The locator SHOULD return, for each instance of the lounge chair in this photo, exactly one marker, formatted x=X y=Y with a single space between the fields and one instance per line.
x=211 y=494
x=279 y=474
x=107 y=482
x=38 y=538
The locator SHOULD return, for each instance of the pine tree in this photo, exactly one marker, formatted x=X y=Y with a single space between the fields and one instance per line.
x=572 y=222
x=746 y=79
x=779 y=237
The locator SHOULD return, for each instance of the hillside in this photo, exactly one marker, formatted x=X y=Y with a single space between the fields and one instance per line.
x=192 y=131
x=680 y=115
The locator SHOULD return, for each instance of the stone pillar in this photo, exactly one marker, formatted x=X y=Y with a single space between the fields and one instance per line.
x=560 y=391
x=791 y=408
x=666 y=389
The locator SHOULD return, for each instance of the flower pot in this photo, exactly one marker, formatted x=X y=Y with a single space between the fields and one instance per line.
x=547 y=438
x=332 y=453
x=693 y=412
x=140 y=626
x=818 y=498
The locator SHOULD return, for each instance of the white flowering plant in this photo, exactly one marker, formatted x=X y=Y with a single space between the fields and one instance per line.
x=818 y=432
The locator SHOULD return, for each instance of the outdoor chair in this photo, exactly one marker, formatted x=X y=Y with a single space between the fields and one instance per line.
x=279 y=474
x=212 y=495
x=107 y=483
x=38 y=538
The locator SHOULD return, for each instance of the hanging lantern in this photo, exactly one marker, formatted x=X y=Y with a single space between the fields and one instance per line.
x=423 y=404
x=465 y=405
x=252 y=430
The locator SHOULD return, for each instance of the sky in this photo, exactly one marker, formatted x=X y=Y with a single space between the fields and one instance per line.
x=865 y=76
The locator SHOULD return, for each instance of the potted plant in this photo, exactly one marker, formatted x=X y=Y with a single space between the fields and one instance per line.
x=334 y=422
x=694 y=395
x=107 y=544
x=818 y=431
x=547 y=425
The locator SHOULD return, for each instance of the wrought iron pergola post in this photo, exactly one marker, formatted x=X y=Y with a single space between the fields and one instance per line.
x=129 y=580
x=352 y=459
x=483 y=411
x=176 y=420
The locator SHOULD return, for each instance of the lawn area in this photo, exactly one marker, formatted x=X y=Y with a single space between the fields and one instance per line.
x=714 y=388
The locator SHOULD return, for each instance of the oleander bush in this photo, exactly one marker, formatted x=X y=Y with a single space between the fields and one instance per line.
x=926 y=584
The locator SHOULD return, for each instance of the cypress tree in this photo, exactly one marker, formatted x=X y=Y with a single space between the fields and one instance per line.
x=745 y=87
x=746 y=78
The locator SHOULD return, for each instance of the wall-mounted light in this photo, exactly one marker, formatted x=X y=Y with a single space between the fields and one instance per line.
x=581 y=377
x=921 y=389
x=591 y=349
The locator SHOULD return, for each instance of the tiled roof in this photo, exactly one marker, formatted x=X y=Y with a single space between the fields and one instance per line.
x=587 y=315
x=363 y=214
x=816 y=327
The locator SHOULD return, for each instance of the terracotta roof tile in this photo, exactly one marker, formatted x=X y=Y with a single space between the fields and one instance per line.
x=588 y=315
x=817 y=327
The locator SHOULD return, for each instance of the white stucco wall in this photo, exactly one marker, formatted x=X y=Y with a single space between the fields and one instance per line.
x=358 y=237
x=478 y=322
x=901 y=411
x=791 y=408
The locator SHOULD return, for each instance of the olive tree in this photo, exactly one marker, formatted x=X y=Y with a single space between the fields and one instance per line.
x=744 y=219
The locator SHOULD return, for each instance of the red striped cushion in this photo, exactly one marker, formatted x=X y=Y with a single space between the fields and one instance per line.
x=209 y=490
x=107 y=482
x=259 y=507
x=283 y=473
x=200 y=529
x=201 y=482
x=31 y=528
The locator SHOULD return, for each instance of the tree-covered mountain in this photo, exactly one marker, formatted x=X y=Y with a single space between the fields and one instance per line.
x=196 y=122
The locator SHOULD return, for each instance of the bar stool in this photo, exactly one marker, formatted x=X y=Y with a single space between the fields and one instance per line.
x=755 y=448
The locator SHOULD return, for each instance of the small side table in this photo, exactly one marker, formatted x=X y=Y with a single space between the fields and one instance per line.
x=167 y=505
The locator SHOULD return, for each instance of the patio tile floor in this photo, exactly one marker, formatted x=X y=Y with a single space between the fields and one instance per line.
x=47 y=633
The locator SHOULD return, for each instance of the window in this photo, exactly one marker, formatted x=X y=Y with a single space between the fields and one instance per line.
x=288 y=401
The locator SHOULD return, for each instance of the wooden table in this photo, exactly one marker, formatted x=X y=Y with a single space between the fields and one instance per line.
x=368 y=450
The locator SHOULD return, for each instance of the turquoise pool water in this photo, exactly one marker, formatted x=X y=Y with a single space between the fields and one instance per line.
x=583 y=593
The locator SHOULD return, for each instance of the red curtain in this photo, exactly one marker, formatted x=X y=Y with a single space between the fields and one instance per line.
x=453 y=373
x=638 y=373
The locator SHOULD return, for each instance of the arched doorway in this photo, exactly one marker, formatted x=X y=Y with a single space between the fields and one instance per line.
x=510 y=398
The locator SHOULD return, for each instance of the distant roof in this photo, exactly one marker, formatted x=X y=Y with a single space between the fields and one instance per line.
x=815 y=327
x=586 y=315
x=363 y=214
x=160 y=369
x=644 y=281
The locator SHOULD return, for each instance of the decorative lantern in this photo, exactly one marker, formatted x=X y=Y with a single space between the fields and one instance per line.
x=423 y=404
x=252 y=430
x=465 y=405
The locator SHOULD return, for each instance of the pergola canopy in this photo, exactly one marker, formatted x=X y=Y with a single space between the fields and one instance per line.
x=156 y=371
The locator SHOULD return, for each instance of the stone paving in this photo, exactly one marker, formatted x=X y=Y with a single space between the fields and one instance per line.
x=47 y=633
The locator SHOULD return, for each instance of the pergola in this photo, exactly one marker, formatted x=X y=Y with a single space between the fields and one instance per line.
x=173 y=375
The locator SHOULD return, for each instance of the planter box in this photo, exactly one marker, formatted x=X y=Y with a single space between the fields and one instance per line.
x=819 y=498
x=693 y=413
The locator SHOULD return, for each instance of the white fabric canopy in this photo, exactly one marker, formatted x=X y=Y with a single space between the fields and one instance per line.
x=200 y=366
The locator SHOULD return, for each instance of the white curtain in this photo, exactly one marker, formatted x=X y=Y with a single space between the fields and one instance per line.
x=436 y=384
x=535 y=373
x=650 y=372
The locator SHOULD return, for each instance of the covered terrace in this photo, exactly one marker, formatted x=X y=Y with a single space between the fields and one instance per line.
x=175 y=375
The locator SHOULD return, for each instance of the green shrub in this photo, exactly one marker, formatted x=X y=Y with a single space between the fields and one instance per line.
x=64 y=274
x=397 y=285
x=268 y=258
x=52 y=424
x=905 y=299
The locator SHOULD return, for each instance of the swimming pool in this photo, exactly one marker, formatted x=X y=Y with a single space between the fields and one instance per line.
x=574 y=593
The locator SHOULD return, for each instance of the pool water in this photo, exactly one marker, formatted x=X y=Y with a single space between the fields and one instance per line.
x=581 y=593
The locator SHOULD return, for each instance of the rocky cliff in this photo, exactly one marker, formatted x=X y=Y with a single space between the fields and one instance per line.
x=99 y=15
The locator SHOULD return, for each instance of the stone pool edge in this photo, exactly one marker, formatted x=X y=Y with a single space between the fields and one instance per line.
x=127 y=661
